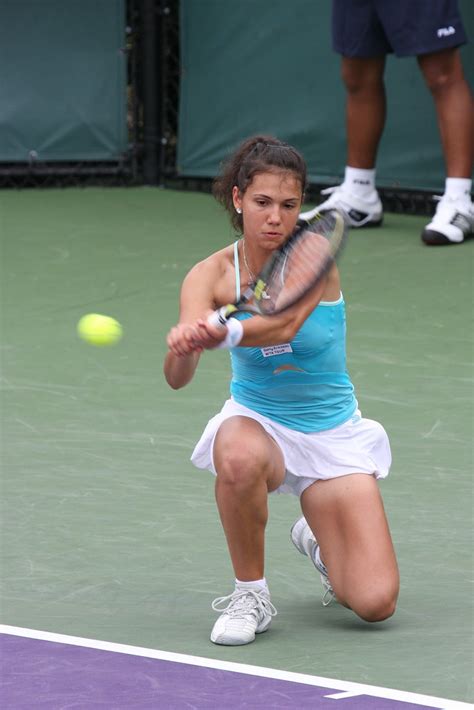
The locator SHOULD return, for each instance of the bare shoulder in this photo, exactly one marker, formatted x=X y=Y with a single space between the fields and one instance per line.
x=202 y=284
x=212 y=267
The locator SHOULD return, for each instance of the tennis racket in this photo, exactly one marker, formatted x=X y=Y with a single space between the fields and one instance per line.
x=292 y=271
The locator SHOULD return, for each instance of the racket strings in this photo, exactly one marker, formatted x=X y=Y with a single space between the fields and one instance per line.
x=297 y=270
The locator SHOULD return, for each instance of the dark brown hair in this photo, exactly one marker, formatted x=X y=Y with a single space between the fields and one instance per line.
x=258 y=154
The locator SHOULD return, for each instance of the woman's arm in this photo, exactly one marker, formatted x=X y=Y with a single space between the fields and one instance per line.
x=197 y=299
x=282 y=328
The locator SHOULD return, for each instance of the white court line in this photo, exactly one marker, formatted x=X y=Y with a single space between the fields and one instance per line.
x=347 y=687
x=344 y=694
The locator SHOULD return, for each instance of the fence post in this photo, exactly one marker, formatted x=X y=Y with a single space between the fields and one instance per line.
x=152 y=93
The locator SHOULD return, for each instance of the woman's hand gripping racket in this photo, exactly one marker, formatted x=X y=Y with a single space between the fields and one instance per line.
x=291 y=271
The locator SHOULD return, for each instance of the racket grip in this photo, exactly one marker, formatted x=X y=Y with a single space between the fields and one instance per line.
x=234 y=328
x=218 y=319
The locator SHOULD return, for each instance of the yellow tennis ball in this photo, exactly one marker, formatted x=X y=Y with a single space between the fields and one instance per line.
x=99 y=330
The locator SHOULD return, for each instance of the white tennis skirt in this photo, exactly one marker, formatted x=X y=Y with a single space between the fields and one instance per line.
x=357 y=446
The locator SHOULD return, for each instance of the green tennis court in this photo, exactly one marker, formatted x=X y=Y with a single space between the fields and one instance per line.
x=108 y=531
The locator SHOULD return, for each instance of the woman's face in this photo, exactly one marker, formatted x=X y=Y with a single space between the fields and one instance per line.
x=270 y=207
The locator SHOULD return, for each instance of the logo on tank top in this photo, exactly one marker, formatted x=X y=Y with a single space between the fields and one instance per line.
x=272 y=350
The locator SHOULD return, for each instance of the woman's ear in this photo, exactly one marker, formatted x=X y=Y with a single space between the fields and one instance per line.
x=237 y=199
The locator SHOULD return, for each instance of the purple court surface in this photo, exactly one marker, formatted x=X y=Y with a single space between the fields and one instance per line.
x=49 y=674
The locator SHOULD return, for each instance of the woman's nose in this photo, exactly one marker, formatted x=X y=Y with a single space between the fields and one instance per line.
x=274 y=214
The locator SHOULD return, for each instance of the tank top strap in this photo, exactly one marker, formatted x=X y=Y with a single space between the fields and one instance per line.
x=237 y=270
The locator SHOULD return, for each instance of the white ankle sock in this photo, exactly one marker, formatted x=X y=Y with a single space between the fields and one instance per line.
x=257 y=584
x=458 y=188
x=359 y=181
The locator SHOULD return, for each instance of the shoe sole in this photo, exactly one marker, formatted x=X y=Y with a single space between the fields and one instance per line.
x=371 y=223
x=437 y=239
x=352 y=225
x=368 y=225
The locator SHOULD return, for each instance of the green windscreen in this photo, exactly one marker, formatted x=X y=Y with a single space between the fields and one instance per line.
x=63 y=85
x=268 y=66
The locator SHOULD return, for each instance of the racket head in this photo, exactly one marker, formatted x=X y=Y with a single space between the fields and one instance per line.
x=300 y=265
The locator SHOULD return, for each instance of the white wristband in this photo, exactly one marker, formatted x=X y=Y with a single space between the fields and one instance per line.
x=235 y=332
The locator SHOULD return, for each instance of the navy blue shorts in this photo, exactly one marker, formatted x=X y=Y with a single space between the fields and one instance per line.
x=370 y=28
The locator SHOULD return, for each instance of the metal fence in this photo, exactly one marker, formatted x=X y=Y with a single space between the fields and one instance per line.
x=151 y=46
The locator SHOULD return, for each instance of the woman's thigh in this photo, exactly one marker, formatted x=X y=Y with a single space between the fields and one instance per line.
x=347 y=517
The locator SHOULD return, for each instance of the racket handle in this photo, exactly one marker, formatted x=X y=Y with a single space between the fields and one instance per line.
x=234 y=327
x=218 y=319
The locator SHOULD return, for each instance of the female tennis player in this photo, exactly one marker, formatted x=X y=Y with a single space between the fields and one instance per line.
x=292 y=422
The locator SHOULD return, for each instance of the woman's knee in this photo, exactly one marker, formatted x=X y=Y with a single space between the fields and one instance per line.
x=237 y=467
x=378 y=605
x=245 y=456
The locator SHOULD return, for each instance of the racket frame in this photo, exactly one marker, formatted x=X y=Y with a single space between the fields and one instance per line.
x=255 y=293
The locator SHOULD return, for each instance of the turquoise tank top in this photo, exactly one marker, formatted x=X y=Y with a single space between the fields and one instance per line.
x=303 y=384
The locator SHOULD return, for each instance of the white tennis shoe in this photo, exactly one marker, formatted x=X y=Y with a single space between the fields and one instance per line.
x=452 y=223
x=305 y=542
x=245 y=612
x=358 y=211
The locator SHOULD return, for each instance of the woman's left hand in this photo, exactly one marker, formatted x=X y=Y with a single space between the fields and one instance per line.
x=209 y=336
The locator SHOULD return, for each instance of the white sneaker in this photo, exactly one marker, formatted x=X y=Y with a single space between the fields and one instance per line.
x=452 y=223
x=248 y=612
x=305 y=542
x=358 y=211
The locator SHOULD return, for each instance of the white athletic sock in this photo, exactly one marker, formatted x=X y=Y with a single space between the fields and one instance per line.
x=257 y=584
x=359 y=181
x=458 y=188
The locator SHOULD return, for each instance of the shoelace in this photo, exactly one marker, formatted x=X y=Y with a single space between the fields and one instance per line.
x=338 y=205
x=328 y=595
x=330 y=190
x=447 y=201
x=244 y=601
x=449 y=210
x=445 y=208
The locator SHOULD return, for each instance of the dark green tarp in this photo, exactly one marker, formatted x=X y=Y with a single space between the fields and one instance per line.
x=267 y=66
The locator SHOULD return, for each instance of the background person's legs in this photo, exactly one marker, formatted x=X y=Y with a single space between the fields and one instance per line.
x=357 y=197
x=444 y=76
x=365 y=109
